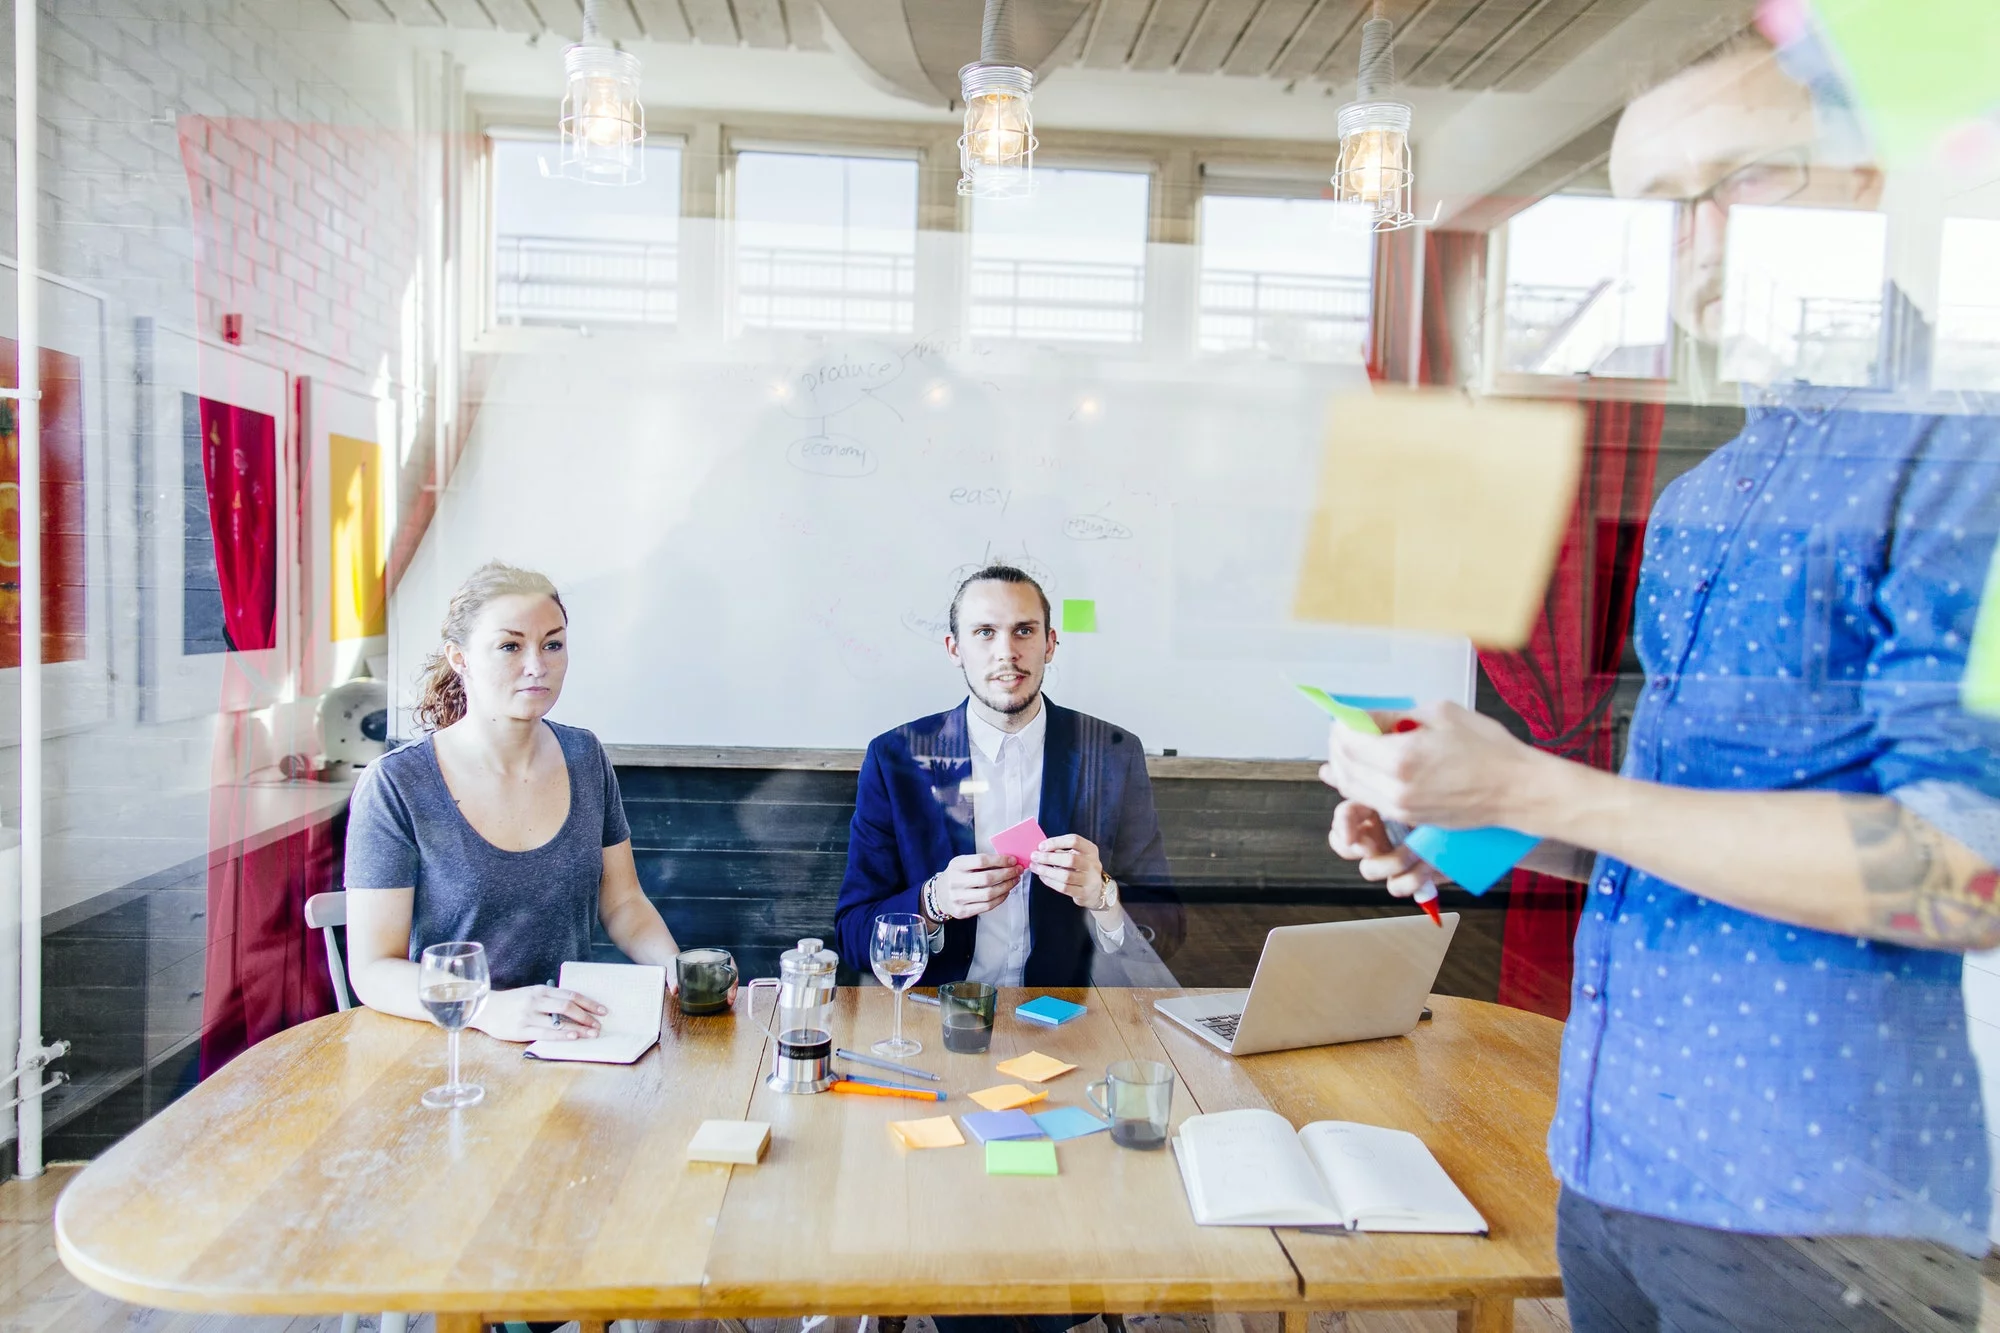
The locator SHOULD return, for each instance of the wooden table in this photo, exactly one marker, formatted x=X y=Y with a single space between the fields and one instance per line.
x=306 y=1178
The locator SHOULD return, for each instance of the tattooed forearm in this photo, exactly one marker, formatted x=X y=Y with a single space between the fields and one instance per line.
x=1922 y=886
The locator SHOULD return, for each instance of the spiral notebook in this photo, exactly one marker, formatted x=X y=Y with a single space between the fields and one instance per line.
x=635 y=994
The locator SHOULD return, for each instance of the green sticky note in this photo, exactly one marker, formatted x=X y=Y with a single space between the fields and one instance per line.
x=1917 y=69
x=1347 y=715
x=1020 y=1157
x=1079 y=617
x=1980 y=691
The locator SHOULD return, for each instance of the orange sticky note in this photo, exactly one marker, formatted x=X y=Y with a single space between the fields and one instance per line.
x=938 y=1132
x=1034 y=1067
x=1007 y=1096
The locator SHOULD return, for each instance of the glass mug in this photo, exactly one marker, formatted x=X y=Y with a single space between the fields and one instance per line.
x=705 y=977
x=966 y=1010
x=1138 y=1095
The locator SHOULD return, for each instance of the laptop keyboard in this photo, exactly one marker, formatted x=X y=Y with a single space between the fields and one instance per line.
x=1222 y=1025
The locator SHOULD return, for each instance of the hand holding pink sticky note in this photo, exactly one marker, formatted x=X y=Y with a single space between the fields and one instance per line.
x=1020 y=842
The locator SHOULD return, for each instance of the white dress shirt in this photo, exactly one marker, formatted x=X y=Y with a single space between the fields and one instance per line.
x=1006 y=788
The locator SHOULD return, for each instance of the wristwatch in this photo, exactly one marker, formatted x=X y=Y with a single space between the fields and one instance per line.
x=1110 y=894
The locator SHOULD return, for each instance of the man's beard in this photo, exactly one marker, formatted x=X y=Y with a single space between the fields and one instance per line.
x=1002 y=705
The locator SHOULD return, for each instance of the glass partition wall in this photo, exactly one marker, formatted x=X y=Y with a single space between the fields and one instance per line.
x=326 y=322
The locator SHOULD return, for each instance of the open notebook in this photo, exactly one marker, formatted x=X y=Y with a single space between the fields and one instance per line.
x=634 y=994
x=1250 y=1169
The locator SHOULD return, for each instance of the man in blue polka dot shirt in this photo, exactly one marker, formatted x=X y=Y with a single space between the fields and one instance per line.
x=1769 y=1114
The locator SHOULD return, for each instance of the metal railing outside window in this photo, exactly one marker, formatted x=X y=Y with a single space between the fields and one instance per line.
x=562 y=280
x=1076 y=300
x=1313 y=316
x=779 y=287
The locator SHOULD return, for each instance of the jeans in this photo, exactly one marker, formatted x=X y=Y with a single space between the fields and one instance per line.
x=1629 y=1273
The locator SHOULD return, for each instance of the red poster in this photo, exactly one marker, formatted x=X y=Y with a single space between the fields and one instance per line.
x=239 y=463
x=62 y=509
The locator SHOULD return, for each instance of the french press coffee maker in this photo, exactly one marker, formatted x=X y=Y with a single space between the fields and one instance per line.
x=802 y=1018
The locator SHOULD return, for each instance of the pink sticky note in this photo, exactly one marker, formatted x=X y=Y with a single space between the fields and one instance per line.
x=1020 y=841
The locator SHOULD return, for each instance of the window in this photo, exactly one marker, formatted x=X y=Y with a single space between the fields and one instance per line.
x=1588 y=282
x=1286 y=277
x=825 y=242
x=569 y=252
x=1068 y=262
x=1967 y=354
x=1802 y=295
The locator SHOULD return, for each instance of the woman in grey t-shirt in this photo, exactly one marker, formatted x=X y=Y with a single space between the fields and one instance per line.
x=499 y=826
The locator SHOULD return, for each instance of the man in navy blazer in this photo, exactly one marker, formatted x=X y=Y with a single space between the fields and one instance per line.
x=933 y=792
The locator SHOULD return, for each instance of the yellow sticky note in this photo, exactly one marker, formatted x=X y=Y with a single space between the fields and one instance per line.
x=938 y=1132
x=1439 y=514
x=1007 y=1096
x=1034 y=1067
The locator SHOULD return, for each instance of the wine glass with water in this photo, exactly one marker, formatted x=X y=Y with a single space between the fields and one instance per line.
x=452 y=983
x=898 y=950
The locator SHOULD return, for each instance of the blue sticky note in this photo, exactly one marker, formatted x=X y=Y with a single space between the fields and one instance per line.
x=999 y=1126
x=1050 y=1011
x=1376 y=703
x=1474 y=857
x=1068 y=1122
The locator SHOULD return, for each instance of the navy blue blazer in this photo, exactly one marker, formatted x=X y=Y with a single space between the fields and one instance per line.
x=911 y=817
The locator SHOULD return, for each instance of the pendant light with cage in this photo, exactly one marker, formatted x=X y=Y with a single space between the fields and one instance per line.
x=996 y=154
x=603 y=124
x=1374 y=168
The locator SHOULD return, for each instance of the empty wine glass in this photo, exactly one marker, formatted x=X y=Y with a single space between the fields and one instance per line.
x=898 y=950
x=453 y=983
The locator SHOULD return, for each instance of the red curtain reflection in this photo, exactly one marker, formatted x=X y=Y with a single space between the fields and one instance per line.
x=1561 y=683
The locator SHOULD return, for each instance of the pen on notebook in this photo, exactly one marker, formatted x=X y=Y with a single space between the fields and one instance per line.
x=860 y=1059
x=882 y=1090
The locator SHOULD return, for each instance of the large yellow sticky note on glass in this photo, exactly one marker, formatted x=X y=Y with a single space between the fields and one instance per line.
x=358 y=554
x=1440 y=513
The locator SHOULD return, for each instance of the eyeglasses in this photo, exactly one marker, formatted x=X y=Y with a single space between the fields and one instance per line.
x=1765 y=182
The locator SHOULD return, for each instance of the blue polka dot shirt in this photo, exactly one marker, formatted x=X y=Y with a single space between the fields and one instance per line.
x=1803 y=615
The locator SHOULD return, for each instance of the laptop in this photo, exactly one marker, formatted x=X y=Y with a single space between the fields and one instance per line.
x=1321 y=984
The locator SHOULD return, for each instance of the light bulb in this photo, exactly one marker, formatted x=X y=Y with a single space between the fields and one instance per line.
x=603 y=123
x=1374 y=166
x=997 y=151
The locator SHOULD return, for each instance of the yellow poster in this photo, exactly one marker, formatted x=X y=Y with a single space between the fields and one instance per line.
x=359 y=554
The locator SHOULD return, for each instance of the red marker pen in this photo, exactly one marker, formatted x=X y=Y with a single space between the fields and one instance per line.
x=1426 y=895
x=1427 y=898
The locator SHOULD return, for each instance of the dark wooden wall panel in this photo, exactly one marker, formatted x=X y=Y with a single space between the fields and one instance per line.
x=751 y=861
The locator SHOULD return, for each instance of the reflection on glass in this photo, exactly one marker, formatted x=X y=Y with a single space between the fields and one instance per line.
x=1068 y=262
x=826 y=242
x=1587 y=287
x=1967 y=354
x=1802 y=295
x=569 y=252
x=1286 y=277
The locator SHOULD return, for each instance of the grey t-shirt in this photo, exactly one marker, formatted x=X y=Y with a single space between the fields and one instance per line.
x=532 y=910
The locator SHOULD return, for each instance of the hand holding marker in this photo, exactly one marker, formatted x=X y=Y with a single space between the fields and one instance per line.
x=1472 y=858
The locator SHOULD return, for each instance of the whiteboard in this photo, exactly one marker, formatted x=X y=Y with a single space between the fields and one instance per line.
x=758 y=538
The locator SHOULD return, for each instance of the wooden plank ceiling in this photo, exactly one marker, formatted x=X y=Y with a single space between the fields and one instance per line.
x=1510 y=45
